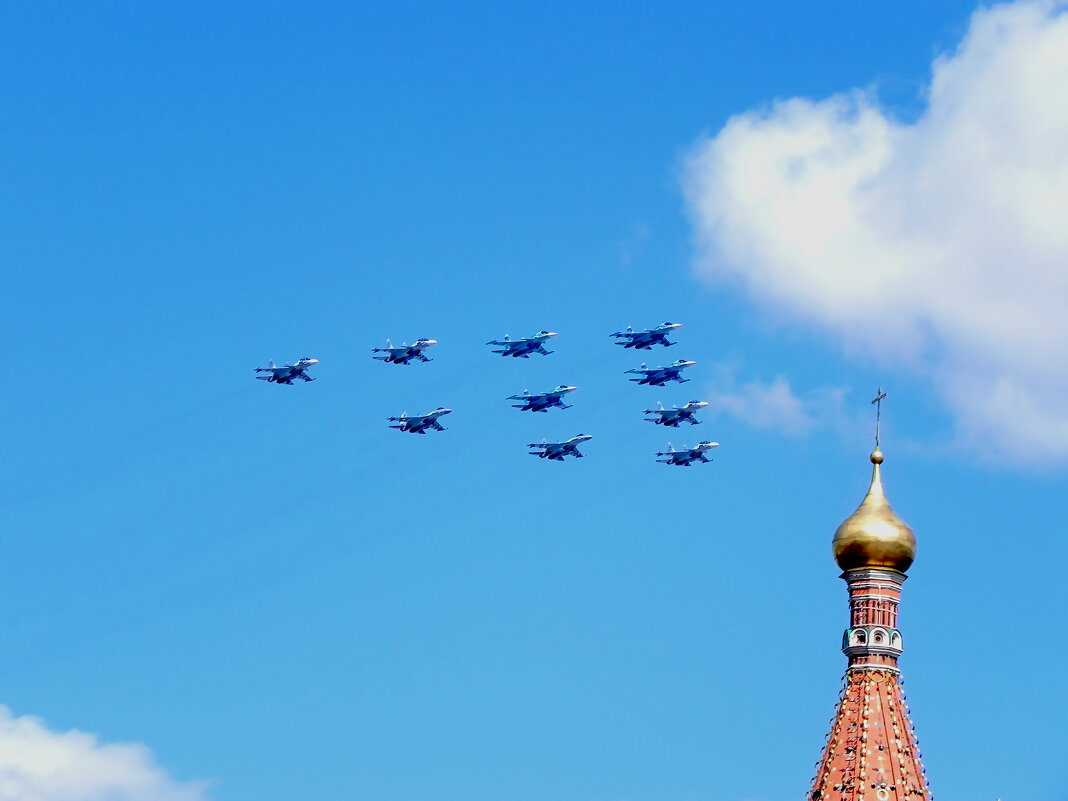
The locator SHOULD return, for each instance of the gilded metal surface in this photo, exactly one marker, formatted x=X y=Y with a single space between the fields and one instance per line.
x=874 y=536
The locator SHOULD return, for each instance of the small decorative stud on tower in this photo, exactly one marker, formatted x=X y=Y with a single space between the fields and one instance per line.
x=871 y=752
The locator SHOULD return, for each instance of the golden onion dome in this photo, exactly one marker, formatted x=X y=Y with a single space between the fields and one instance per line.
x=874 y=536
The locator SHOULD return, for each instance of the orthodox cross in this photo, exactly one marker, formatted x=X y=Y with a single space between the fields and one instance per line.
x=878 y=403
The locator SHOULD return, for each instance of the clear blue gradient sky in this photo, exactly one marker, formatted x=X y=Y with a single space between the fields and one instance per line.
x=272 y=590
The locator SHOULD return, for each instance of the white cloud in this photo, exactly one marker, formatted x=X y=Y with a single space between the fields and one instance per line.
x=37 y=764
x=938 y=246
x=774 y=405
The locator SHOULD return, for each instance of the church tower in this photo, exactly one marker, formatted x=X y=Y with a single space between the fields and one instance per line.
x=871 y=752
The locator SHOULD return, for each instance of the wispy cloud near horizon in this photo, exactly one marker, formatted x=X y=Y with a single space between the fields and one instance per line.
x=39 y=764
x=774 y=405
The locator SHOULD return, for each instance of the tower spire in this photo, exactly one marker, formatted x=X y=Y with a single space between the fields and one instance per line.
x=871 y=753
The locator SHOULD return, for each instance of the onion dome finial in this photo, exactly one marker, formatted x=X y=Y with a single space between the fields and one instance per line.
x=874 y=536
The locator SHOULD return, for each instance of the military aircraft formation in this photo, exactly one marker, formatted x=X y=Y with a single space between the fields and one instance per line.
x=523 y=348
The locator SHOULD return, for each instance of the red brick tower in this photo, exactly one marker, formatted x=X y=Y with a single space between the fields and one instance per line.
x=871 y=752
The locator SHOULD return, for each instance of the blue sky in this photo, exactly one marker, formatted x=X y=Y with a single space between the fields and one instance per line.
x=281 y=597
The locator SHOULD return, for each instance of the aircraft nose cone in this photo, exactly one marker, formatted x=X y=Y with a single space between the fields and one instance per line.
x=702 y=404
x=552 y=333
x=313 y=361
x=432 y=342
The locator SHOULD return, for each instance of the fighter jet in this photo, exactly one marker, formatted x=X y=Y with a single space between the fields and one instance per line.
x=644 y=340
x=522 y=348
x=543 y=401
x=419 y=423
x=405 y=353
x=675 y=415
x=686 y=456
x=658 y=376
x=287 y=372
x=556 y=451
